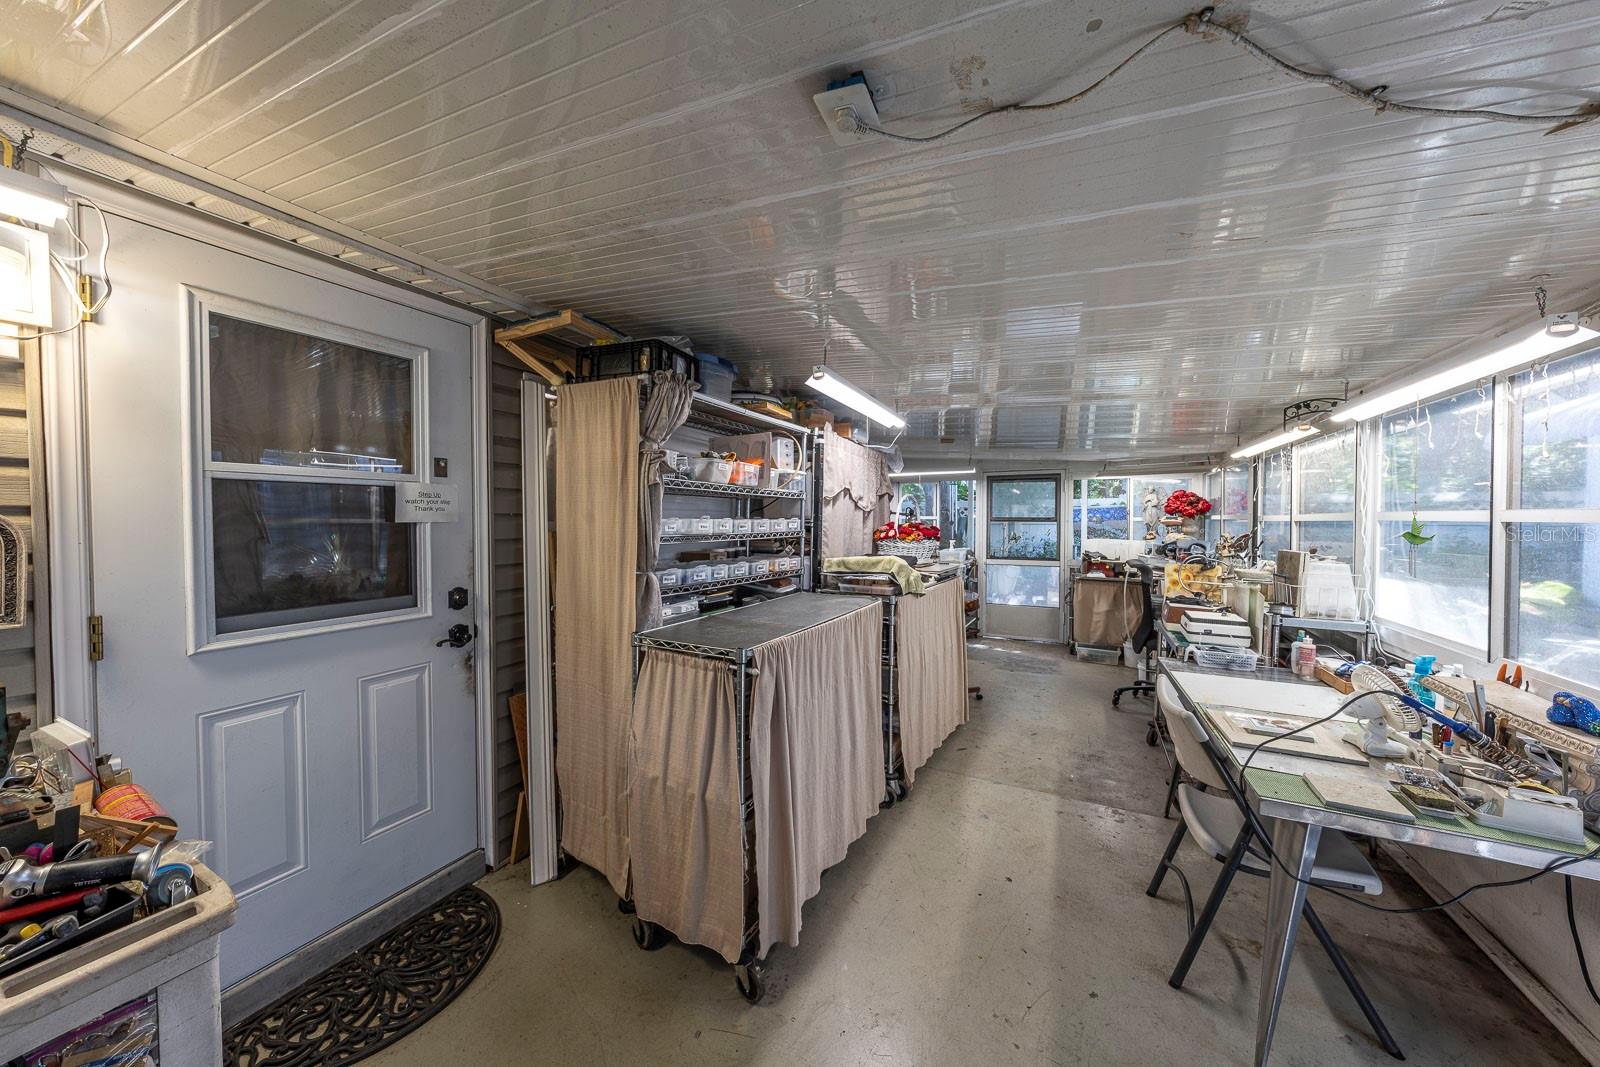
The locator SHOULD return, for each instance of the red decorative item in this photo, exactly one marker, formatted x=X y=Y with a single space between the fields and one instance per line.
x=1186 y=504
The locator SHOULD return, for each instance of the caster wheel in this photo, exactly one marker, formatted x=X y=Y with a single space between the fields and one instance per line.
x=977 y=696
x=648 y=935
x=1116 y=699
x=898 y=790
x=1150 y=736
x=887 y=801
x=751 y=982
x=625 y=906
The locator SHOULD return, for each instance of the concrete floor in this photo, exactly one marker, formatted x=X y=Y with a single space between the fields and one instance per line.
x=996 y=917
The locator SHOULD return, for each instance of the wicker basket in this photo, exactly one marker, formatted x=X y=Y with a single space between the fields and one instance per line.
x=919 y=551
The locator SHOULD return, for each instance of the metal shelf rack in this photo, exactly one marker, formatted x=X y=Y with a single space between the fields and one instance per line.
x=677 y=483
x=708 y=539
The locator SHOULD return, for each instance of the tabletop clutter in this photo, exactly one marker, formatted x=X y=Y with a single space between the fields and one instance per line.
x=84 y=850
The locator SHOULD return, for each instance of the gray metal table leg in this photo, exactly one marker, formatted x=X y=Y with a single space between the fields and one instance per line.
x=1296 y=846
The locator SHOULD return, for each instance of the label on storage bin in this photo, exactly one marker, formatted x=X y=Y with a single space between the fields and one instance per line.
x=425 y=502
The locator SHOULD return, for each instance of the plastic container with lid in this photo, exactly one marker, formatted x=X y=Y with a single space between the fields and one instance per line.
x=672 y=526
x=746 y=474
x=793 y=524
x=670 y=577
x=719 y=572
x=743 y=527
x=700 y=572
x=703 y=525
x=711 y=469
x=761 y=526
x=739 y=568
x=717 y=376
x=722 y=526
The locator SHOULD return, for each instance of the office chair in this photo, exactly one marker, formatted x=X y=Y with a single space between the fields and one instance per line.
x=1142 y=634
x=1219 y=817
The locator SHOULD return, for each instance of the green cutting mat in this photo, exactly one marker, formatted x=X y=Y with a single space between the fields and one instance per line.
x=1292 y=789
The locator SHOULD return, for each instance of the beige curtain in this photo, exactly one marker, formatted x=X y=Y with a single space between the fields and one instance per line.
x=671 y=396
x=930 y=643
x=856 y=496
x=597 y=514
x=816 y=759
x=683 y=801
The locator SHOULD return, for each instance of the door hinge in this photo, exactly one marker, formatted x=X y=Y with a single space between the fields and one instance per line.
x=97 y=638
x=86 y=297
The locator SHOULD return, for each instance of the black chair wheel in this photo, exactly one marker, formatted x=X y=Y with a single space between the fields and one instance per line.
x=888 y=800
x=625 y=905
x=1150 y=735
x=898 y=788
x=648 y=935
x=977 y=696
x=751 y=982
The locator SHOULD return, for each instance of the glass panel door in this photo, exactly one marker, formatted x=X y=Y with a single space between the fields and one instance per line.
x=1022 y=568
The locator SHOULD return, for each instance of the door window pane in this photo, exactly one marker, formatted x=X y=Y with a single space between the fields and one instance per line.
x=1024 y=540
x=1437 y=459
x=293 y=552
x=1559 y=441
x=1016 y=585
x=1274 y=535
x=1023 y=498
x=290 y=399
x=1441 y=587
x=1555 y=598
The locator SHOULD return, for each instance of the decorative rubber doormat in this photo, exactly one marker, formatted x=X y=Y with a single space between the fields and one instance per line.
x=377 y=995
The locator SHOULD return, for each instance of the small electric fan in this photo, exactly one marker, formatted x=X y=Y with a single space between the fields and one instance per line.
x=1385 y=709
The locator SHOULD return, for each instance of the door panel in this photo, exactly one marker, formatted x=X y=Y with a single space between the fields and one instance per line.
x=270 y=668
x=1022 y=557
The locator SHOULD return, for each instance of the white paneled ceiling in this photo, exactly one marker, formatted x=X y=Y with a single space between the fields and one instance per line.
x=1152 y=272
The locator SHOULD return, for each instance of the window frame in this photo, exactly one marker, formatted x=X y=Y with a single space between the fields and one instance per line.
x=200 y=471
x=1054 y=518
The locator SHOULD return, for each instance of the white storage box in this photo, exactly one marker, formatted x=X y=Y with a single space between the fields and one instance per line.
x=670 y=577
x=700 y=572
x=672 y=527
x=785 y=454
x=722 y=526
x=786 y=479
x=739 y=569
x=760 y=568
x=702 y=525
x=761 y=526
x=711 y=470
x=1219 y=628
x=788 y=564
x=793 y=525
x=748 y=474
x=719 y=572
x=743 y=526
x=672 y=610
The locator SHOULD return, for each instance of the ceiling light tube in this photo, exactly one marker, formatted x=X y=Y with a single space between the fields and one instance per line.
x=1554 y=334
x=829 y=384
x=935 y=474
x=31 y=199
x=1277 y=440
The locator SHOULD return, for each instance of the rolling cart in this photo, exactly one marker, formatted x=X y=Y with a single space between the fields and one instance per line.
x=733 y=638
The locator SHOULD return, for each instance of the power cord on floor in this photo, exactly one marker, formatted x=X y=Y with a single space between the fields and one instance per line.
x=1550 y=868
x=1203 y=24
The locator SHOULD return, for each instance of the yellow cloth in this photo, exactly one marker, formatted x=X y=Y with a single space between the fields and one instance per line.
x=902 y=572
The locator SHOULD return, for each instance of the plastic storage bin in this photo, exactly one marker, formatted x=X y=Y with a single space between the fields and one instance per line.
x=722 y=526
x=743 y=527
x=700 y=572
x=788 y=564
x=621 y=359
x=672 y=610
x=719 y=572
x=761 y=526
x=670 y=577
x=760 y=568
x=672 y=526
x=739 y=569
x=710 y=469
x=746 y=474
x=716 y=376
x=703 y=525
x=793 y=525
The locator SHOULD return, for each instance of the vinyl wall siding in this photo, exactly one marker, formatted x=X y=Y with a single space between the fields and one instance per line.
x=508 y=629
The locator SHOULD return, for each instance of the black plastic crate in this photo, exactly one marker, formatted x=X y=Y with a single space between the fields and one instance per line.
x=624 y=358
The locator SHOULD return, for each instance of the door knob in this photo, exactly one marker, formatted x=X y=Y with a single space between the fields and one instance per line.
x=459 y=635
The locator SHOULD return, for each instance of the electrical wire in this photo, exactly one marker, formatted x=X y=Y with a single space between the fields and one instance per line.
x=59 y=264
x=1577 y=941
x=1201 y=24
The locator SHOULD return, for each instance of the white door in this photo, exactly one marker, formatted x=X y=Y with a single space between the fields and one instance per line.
x=270 y=672
x=1022 y=558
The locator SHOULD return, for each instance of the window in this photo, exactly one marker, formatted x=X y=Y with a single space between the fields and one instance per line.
x=1012 y=585
x=1553 y=510
x=1434 y=464
x=1324 y=490
x=306 y=431
x=1023 y=522
x=947 y=505
x=1276 y=502
x=1229 y=492
x=1107 y=509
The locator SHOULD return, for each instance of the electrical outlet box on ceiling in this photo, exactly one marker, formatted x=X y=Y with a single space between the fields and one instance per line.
x=843 y=105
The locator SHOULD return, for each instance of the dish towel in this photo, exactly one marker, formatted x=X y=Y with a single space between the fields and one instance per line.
x=902 y=572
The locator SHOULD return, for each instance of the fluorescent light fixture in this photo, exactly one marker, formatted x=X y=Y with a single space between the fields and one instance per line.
x=829 y=384
x=1277 y=440
x=31 y=199
x=1555 y=334
x=935 y=474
